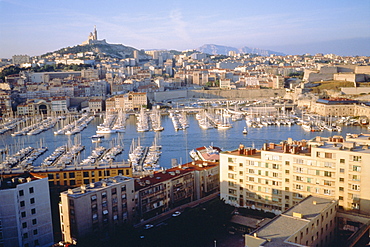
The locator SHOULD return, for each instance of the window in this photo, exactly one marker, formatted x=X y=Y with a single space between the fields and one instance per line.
x=231 y=168
x=275 y=175
x=93 y=198
x=275 y=166
x=356 y=187
x=104 y=195
x=123 y=188
x=299 y=178
x=31 y=190
x=23 y=214
x=86 y=174
x=241 y=173
x=327 y=183
x=356 y=158
x=21 y=193
x=286 y=171
x=32 y=200
x=342 y=161
x=22 y=203
x=72 y=182
x=341 y=170
x=326 y=192
x=308 y=189
x=355 y=177
x=24 y=225
x=36 y=242
x=327 y=174
x=34 y=221
x=308 y=180
x=231 y=160
x=35 y=232
x=328 y=155
x=317 y=172
x=341 y=179
x=114 y=191
x=341 y=188
x=25 y=235
x=86 y=181
x=232 y=191
x=299 y=187
x=356 y=168
x=50 y=176
x=287 y=163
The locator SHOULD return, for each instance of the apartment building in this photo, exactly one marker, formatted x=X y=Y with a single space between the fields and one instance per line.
x=71 y=175
x=312 y=222
x=96 y=209
x=280 y=175
x=96 y=105
x=162 y=191
x=25 y=212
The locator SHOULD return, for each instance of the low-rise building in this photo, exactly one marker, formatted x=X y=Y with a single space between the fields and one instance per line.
x=312 y=222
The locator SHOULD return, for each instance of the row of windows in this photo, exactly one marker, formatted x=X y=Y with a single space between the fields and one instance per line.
x=23 y=203
x=30 y=190
x=24 y=214
x=85 y=174
x=34 y=222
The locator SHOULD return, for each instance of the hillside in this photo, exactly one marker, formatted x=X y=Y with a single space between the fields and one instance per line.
x=112 y=50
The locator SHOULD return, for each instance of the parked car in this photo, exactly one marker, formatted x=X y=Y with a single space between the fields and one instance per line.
x=175 y=214
x=148 y=226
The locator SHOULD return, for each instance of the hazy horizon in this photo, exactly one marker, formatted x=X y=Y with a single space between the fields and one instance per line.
x=291 y=27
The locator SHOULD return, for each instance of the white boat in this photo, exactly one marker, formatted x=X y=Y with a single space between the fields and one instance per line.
x=245 y=131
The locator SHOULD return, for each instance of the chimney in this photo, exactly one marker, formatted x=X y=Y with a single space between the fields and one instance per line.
x=297 y=215
x=29 y=179
x=272 y=146
x=314 y=202
x=255 y=235
x=265 y=146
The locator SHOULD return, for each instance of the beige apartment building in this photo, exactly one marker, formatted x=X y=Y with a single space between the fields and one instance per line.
x=128 y=102
x=280 y=175
x=96 y=209
x=312 y=222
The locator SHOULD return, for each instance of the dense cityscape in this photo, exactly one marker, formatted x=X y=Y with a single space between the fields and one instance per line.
x=295 y=192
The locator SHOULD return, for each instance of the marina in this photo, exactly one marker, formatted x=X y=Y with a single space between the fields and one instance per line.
x=175 y=145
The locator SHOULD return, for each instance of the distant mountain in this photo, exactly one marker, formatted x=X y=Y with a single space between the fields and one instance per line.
x=102 y=48
x=224 y=50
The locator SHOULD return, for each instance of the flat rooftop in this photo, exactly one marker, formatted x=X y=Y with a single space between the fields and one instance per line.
x=276 y=232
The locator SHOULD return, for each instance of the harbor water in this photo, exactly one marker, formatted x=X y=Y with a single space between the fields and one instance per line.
x=175 y=144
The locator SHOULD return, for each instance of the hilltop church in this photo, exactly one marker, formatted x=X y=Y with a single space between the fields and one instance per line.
x=93 y=39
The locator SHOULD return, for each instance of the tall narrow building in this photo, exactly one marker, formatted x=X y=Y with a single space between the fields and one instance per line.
x=25 y=212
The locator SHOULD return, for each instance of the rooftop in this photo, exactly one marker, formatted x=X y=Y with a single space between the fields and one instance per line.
x=94 y=187
x=14 y=181
x=277 y=232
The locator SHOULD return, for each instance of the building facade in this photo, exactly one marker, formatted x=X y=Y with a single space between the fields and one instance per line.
x=25 y=212
x=280 y=175
x=94 y=210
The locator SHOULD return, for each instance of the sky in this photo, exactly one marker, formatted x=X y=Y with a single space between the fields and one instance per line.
x=292 y=27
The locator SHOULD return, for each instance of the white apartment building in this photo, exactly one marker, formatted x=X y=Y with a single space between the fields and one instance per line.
x=25 y=212
x=95 y=209
x=280 y=175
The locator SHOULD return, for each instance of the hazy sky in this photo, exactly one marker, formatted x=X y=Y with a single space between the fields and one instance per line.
x=34 y=27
